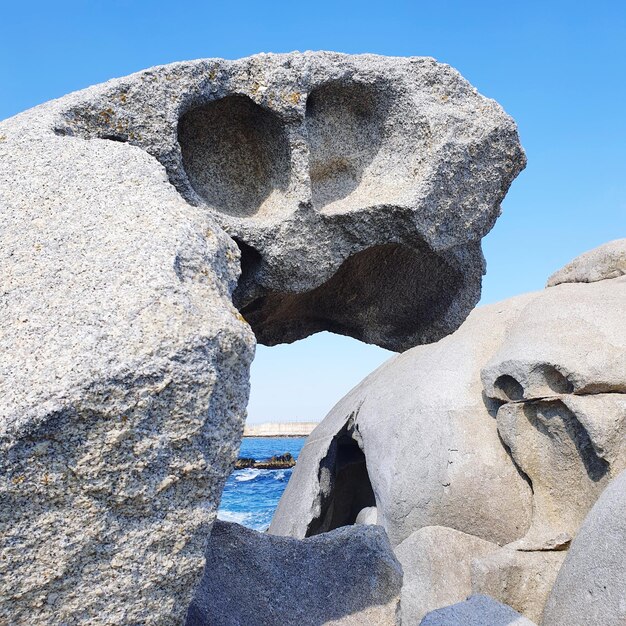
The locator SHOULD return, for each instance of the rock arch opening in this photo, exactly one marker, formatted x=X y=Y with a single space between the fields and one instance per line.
x=236 y=154
x=292 y=387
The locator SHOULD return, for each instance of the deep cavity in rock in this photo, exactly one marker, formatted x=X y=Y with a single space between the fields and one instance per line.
x=345 y=484
x=345 y=125
x=235 y=153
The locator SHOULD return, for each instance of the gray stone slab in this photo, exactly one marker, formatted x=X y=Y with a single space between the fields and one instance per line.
x=477 y=610
x=345 y=577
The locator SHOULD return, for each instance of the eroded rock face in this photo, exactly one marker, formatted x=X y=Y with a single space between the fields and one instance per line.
x=357 y=187
x=436 y=562
x=555 y=451
x=353 y=193
x=519 y=579
x=561 y=376
x=346 y=577
x=570 y=341
x=417 y=440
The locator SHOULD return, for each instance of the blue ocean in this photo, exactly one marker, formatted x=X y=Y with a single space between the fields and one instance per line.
x=251 y=495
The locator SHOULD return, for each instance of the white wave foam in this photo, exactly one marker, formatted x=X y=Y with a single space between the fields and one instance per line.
x=246 y=474
x=232 y=516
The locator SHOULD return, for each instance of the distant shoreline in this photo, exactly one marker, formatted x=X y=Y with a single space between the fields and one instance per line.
x=280 y=429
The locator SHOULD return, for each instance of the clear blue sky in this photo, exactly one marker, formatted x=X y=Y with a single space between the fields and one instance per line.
x=559 y=68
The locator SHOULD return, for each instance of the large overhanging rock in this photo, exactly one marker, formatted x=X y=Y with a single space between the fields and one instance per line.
x=358 y=187
x=354 y=191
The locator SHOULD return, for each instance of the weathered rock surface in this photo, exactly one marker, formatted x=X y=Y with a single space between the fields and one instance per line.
x=437 y=569
x=346 y=577
x=521 y=580
x=551 y=445
x=561 y=374
x=123 y=379
x=477 y=610
x=602 y=263
x=358 y=187
x=591 y=585
x=417 y=440
x=569 y=341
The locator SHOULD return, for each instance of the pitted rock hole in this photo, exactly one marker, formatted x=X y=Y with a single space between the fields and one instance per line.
x=551 y=380
x=115 y=137
x=390 y=295
x=507 y=388
x=345 y=126
x=236 y=155
x=345 y=485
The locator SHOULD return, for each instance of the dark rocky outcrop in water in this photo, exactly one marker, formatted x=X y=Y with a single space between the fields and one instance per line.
x=280 y=461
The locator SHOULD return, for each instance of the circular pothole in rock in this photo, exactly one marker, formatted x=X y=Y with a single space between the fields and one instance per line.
x=345 y=127
x=553 y=381
x=508 y=389
x=235 y=154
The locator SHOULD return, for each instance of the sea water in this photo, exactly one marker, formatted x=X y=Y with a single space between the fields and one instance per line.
x=251 y=495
